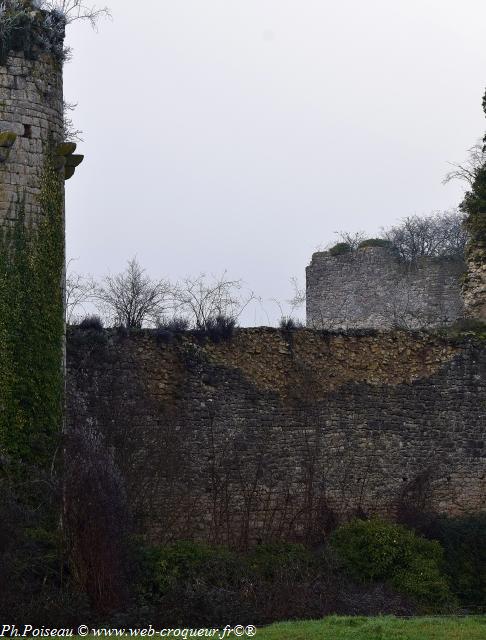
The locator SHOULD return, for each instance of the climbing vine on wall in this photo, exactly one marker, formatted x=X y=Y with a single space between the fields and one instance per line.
x=474 y=206
x=32 y=328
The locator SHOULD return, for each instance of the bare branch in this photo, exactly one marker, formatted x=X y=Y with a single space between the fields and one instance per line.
x=74 y=10
x=467 y=172
x=203 y=299
x=79 y=291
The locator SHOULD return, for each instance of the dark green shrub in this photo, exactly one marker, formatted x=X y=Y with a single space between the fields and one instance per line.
x=167 y=330
x=91 y=323
x=374 y=550
x=220 y=328
x=271 y=561
x=186 y=563
x=287 y=323
x=464 y=543
x=375 y=242
x=340 y=249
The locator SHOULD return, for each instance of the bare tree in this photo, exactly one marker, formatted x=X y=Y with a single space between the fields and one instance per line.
x=132 y=299
x=352 y=239
x=74 y=10
x=203 y=299
x=439 y=235
x=79 y=291
x=298 y=299
x=467 y=172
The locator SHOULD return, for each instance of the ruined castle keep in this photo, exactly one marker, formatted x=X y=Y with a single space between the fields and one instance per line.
x=267 y=434
x=31 y=115
x=372 y=288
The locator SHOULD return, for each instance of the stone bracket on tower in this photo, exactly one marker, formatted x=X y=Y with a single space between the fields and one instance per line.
x=66 y=160
x=7 y=140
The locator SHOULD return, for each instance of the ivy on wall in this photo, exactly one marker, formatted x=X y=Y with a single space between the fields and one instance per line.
x=32 y=330
x=474 y=206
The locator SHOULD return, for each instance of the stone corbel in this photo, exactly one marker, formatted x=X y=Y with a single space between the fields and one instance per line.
x=66 y=160
x=7 y=140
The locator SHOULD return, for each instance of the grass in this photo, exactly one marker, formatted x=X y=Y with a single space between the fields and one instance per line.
x=386 y=628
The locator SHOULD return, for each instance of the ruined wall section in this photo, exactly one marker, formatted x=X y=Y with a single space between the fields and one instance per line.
x=31 y=106
x=274 y=435
x=372 y=288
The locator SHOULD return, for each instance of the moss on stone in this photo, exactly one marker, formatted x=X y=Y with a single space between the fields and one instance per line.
x=74 y=160
x=7 y=139
x=66 y=149
x=340 y=248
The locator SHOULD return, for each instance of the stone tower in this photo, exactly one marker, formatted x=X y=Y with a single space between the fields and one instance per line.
x=31 y=108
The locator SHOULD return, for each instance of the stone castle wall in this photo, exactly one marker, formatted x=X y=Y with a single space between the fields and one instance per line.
x=273 y=435
x=31 y=106
x=372 y=288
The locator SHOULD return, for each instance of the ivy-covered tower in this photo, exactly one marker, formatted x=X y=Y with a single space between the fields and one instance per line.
x=35 y=161
x=31 y=106
x=474 y=206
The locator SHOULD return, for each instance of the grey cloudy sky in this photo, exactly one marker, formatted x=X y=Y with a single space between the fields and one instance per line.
x=239 y=135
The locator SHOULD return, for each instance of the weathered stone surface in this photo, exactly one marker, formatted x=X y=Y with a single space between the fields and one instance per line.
x=474 y=285
x=66 y=148
x=371 y=288
x=31 y=106
x=270 y=435
x=74 y=160
x=7 y=139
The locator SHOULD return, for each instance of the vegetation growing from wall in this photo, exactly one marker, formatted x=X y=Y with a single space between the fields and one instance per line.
x=23 y=29
x=340 y=248
x=32 y=327
x=440 y=235
x=474 y=206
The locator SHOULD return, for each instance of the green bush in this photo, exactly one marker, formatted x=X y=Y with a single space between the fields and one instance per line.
x=186 y=563
x=271 y=561
x=375 y=242
x=464 y=543
x=378 y=551
x=340 y=249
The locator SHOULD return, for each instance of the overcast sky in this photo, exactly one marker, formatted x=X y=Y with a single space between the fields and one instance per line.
x=240 y=135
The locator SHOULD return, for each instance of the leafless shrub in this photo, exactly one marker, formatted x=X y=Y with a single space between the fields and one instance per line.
x=467 y=172
x=80 y=290
x=439 y=235
x=132 y=299
x=71 y=134
x=95 y=519
x=74 y=10
x=352 y=239
x=202 y=299
x=299 y=295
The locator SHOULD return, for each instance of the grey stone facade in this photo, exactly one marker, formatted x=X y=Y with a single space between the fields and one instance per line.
x=474 y=285
x=372 y=288
x=31 y=106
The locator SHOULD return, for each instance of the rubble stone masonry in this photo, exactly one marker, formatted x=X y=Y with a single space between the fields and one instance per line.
x=274 y=435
